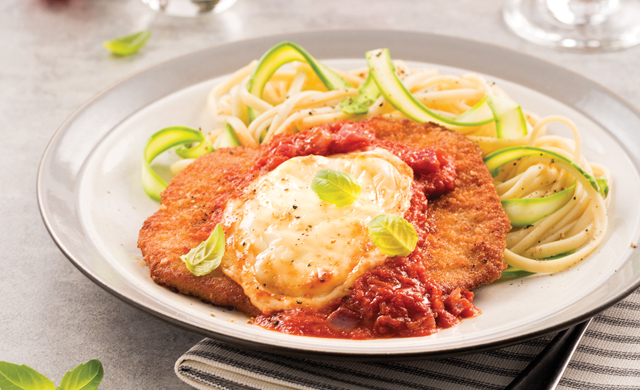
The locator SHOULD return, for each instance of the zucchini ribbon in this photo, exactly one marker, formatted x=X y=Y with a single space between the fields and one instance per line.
x=164 y=140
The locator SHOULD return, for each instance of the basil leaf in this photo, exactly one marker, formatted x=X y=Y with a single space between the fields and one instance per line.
x=393 y=235
x=128 y=45
x=16 y=377
x=335 y=187
x=207 y=256
x=86 y=376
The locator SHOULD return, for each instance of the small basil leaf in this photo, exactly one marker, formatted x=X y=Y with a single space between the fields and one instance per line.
x=128 y=45
x=603 y=187
x=207 y=256
x=86 y=376
x=16 y=377
x=338 y=188
x=393 y=235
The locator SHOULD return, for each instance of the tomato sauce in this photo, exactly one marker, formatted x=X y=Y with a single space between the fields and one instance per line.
x=397 y=298
x=432 y=168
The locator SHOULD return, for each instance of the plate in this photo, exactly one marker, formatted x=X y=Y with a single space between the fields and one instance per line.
x=92 y=203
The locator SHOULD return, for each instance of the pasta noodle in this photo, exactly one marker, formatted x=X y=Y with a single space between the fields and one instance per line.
x=295 y=99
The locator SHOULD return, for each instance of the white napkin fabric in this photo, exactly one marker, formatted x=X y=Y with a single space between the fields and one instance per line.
x=608 y=357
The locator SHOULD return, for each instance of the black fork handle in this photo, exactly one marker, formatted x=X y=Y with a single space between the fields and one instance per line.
x=545 y=371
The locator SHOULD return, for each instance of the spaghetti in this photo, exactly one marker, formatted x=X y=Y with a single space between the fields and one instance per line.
x=295 y=98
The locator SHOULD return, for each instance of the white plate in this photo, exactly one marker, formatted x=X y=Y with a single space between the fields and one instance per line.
x=93 y=205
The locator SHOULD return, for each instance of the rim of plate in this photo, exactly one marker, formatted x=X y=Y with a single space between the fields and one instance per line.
x=334 y=42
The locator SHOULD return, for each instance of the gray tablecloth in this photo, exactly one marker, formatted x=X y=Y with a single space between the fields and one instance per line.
x=52 y=316
x=607 y=358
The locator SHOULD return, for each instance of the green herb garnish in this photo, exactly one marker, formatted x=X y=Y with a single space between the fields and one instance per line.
x=393 y=235
x=86 y=376
x=335 y=187
x=207 y=256
x=128 y=45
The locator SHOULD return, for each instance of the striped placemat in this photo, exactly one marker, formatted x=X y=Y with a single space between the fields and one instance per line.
x=608 y=357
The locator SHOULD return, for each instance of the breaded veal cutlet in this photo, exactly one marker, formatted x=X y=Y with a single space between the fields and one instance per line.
x=467 y=227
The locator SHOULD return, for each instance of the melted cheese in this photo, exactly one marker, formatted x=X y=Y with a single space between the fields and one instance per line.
x=289 y=249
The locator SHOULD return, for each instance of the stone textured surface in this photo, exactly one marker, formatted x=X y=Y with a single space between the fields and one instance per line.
x=51 y=316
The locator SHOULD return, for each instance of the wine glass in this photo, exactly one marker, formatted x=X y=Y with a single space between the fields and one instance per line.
x=576 y=24
x=189 y=7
